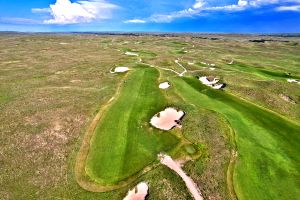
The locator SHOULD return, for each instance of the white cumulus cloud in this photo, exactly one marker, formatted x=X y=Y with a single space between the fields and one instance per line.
x=295 y=8
x=201 y=6
x=137 y=21
x=83 y=11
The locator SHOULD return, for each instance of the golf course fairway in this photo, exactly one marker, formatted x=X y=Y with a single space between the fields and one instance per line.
x=123 y=142
x=268 y=164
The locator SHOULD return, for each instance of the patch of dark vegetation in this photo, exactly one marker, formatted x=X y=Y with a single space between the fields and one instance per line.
x=267 y=40
x=206 y=38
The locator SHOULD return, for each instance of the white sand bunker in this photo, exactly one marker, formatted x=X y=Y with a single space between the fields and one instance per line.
x=208 y=64
x=164 y=85
x=120 y=70
x=128 y=53
x=293 y=81
x=167 y=119
x=212 y=83
x=138 y=193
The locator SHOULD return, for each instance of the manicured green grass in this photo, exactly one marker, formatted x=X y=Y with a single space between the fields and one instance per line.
x=268 y=145
x=124 y=143
x=263 y=73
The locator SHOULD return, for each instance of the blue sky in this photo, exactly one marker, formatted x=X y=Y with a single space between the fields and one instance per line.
x=225 y=16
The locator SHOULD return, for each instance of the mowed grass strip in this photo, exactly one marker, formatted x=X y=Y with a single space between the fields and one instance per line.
x=268 y=145
x=124 y=143
x=262 y=73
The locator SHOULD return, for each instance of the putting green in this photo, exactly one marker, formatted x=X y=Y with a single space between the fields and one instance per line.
x=123 y=142
x=268 y=145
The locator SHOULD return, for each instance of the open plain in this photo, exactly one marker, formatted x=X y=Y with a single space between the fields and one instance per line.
x=71 y=128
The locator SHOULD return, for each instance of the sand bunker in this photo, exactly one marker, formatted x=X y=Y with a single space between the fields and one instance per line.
x=138 y=193
x=164 y=85
x=212 y=83
x=293 y=81
x=128 y=53
x=191 y=63
x=167 y=119
x=120 y=70
x=191 y=185
x=204 y=63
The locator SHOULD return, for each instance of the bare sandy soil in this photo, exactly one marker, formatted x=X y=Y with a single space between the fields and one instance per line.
x=131 y=54
x=214 y=83
x=120 y=70
x=164 y=85
x=138 y=193
x=293 y=81
x=167 y=119
x=191 y=185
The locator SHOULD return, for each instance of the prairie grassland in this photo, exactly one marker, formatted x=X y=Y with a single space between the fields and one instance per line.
x=52 y=86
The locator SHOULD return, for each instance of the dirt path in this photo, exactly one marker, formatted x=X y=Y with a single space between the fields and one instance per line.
x=191 y=185
x=166 y=69
x=184 y=69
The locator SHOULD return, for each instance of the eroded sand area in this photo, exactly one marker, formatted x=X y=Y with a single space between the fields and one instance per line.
x=190 y=184
x=138 y=193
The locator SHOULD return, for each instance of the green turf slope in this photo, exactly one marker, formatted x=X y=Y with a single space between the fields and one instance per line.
x=268 y=160
x=123 y=142
x=261 y=72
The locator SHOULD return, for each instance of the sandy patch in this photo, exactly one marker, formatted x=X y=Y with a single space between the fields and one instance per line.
x=128 y=53
x=138 y=193
x=75 y=81
x=191 y=63
x=119 y=70
x=191 y=185
x=293 y=81
x=164 y=85
x=212 y=83
x=287 y=98
x=208 y=64
x=63 y=43
x=212 y=68
x=167 y=119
